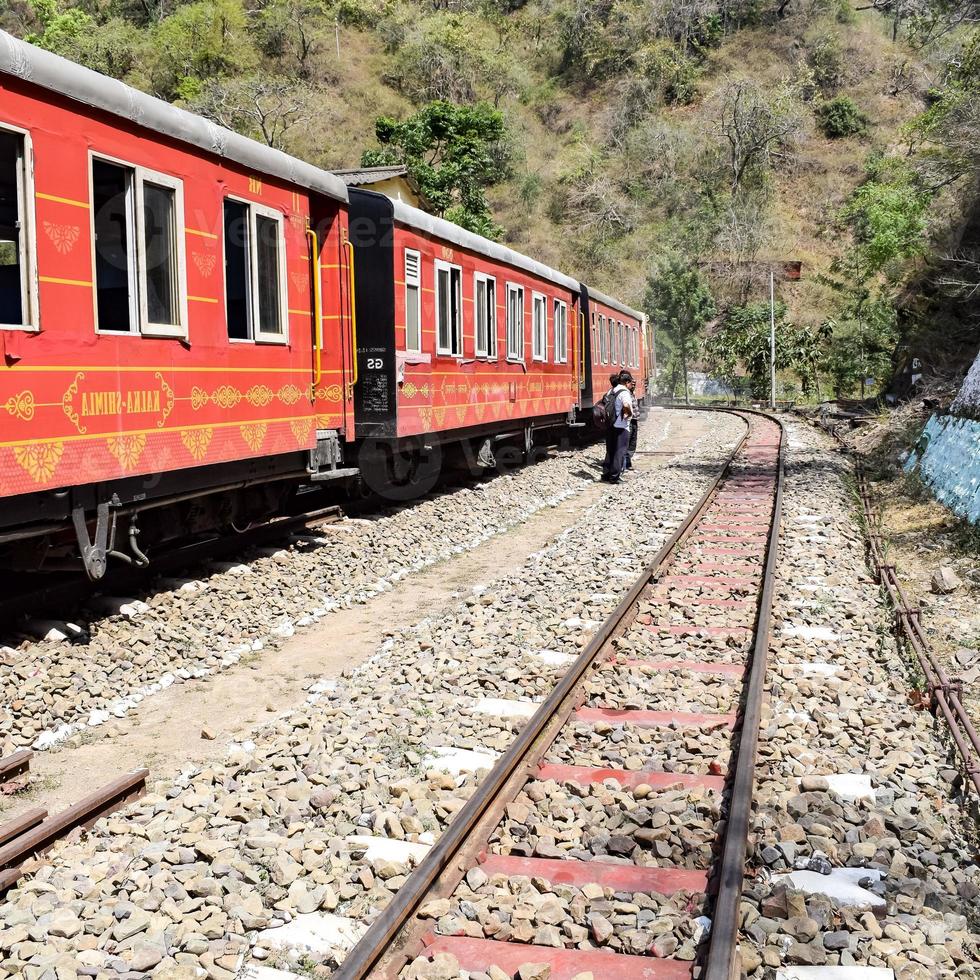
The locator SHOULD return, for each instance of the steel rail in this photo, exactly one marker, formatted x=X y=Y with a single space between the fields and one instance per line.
x=389 y=944
x=38 y=837
x=943 y=690
x=723 y=942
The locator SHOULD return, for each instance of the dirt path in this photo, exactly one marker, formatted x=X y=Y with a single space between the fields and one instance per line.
x=164 y=732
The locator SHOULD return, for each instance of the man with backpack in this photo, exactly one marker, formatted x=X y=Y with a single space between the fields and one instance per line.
x=614 y=413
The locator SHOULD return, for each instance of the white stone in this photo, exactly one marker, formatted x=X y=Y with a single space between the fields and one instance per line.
x=316 y=931
x=448 y=759
x=554 y=658
x=851 y=786
x=253 y=972
x=834 y=973
x=840 y=886
x=387 y=849
x=97 y=717
x=505 y=707
x=811 y=632
x=820 y=667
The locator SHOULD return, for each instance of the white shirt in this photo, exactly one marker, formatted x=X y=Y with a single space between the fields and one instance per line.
x=623 y=398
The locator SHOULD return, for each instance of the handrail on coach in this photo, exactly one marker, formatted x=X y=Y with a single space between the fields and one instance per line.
x=352 y=282
x=317 y=310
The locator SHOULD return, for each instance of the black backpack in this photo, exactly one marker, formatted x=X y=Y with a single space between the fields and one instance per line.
x=604 y=412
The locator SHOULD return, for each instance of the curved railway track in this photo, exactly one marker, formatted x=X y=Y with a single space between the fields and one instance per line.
x=701 y=610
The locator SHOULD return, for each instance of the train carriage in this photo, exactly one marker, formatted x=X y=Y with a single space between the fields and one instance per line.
x=194 y=325
x=615 y=339
x=458 y=336
x=161 y=280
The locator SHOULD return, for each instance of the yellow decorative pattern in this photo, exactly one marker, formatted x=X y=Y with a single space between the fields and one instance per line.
x=40 y=459
x=63 y=237
x=225 y=396
x=21 y=405
x=301 y=430
x=67 y=402
x=439 y=414
x=168 y=399
x=199 y=398
x=332 y=393
x=197 y=441
x=460 y=413
x=259 y=395
x=127 y=449
x=289 y=394
x=254 y=434
x=425 y=418
x=205 y=262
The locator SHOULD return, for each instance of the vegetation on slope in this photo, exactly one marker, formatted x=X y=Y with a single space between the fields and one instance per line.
x=625 y=141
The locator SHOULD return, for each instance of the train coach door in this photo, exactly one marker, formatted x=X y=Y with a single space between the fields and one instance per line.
x=329 y=298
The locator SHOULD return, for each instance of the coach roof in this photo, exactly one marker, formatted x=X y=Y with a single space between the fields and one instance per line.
x=448 y=232
x=39 y=67
x=614 y=303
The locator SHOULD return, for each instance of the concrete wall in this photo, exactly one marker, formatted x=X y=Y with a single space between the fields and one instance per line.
x=948 y=460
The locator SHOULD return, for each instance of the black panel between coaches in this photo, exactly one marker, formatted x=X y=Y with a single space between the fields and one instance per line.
x=586 y=345
x=371 y=232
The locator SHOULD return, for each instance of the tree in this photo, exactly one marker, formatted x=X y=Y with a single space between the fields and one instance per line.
x=756 y=128
x=742 y=342
x=680 y=303
x=454 y=153
x=887 y=214
x=257 y=105
x=198 y=43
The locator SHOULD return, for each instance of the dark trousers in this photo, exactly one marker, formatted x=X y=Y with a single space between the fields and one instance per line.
x=631 y=448
x=617 y=445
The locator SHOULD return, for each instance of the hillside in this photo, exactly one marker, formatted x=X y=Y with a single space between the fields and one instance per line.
x=629 y=128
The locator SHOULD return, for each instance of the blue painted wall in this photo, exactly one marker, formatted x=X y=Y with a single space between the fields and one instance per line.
x=948 y=458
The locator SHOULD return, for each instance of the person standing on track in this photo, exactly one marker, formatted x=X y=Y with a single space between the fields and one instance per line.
x=618 y=431
x=634 y=424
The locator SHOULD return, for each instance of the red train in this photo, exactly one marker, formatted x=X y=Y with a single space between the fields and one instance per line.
x=193 y=325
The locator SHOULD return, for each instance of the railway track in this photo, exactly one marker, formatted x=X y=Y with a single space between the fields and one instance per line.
x=25 y=838
x=691 y=634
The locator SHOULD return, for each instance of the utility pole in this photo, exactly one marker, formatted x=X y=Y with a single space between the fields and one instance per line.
x=772 y=339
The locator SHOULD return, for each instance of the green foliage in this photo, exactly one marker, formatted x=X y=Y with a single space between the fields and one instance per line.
x=841 y=117
x=673 y=71
x=199 y=42
x=826 y=60
x=861 y=345
x=454 y=153
x=888 y=216
x=946 y=137
x=743 y=343
x=446 y=57
x=679 y=301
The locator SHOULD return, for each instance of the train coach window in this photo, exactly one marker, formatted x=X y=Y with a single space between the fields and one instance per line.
x=413 y=300
x=138 y=224
x=255 y=272
x=561 y=332
x=16 y=258
x=485 y=307
x=539 y=328
x=603 y=341
x=449 y=309
x=515 y=322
